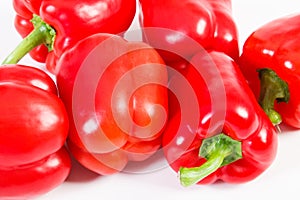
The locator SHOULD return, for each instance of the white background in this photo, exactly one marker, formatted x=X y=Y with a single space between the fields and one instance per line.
x=280 y=180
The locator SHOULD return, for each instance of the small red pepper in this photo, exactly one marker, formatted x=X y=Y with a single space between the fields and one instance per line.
x=117 y=103
x=60 y=25
x=270 y=62
x=33 y=130
x=208 y=22
x=231 y=140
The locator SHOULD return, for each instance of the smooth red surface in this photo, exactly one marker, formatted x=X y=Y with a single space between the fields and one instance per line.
x=178 y=22
x=33 y=130
x=240 y=117
x=35 y=179
x=94 y=16
x=275 y=46
x=116 y=98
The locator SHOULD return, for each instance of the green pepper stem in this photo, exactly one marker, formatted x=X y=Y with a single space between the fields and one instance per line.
x=218 y=150
x=190 y=176
x=272 y=88
x=41 y=34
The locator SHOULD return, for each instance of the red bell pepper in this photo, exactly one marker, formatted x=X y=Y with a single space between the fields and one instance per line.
x=231 y=139
x=273 y=50
x=114 y=93
x=33 y=131
x=65 y=24
x=172 y=24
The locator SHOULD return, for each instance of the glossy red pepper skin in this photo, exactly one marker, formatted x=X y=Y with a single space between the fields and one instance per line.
x=28 y=76
x=208 y=22
x=35 y=179
x=108 y=16
x=275 y=46
x=244 y=121
x=102 y=138
x=34 y=127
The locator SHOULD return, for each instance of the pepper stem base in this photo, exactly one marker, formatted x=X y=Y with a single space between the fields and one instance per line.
x=272 y=88
x=41 y=34
x=219 y=150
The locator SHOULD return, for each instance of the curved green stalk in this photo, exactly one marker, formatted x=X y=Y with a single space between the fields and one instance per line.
x=41 y=34
x=219 y=150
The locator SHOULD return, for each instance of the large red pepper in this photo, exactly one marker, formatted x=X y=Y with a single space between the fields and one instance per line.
x=33 y=129
x=172 y=24
x=115 y=94
x=271 y=53
x=65 y=24
x=231 y=140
